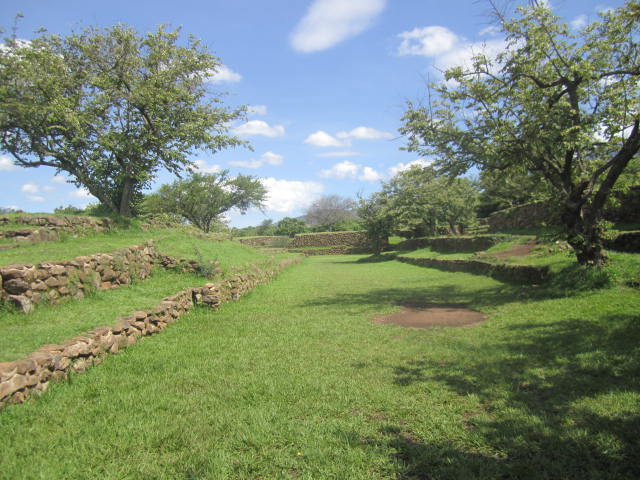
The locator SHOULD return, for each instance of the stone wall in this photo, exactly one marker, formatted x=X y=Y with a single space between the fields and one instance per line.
x=270 y=241
x=26 y=285
x=48 y=228
x=520 y=274
x=452 y=244
x=330 y=239
x=33 y=374
x=532 y=215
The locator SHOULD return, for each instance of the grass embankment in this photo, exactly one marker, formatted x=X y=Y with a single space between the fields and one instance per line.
x=295 y=381
x=21 y=334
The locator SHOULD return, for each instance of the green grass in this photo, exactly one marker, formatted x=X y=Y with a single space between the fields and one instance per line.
x=174 y=242
x=295 y=381
x=21 y=334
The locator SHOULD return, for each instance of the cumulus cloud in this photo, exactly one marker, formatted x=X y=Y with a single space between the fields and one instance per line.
x=349 y=170
x=323 y=139
x=257 y=110
x=285 y=196
x=224 y=74
x=446 y=48
x=30 y=188
x=268 y=158
x=35 y=198
x=58 y=179
x=82 y=194
x=364 y=133
x=329 y=22
x=7 y=165
x=259 y=127
x=202 y=166
x=401 y=167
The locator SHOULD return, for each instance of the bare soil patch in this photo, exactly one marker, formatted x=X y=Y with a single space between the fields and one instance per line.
x=521 y=250
x=416 y=314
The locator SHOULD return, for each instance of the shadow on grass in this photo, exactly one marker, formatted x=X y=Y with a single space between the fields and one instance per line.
x=567 y=396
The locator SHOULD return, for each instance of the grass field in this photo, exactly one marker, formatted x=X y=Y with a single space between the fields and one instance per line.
x=295 y=381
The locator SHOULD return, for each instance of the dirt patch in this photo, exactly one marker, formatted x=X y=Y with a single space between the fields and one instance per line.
x=424 y=315
x=521 y=250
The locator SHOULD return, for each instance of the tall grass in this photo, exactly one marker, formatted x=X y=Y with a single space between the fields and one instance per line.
x=295 y=381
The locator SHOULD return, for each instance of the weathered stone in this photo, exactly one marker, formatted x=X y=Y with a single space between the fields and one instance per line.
x=15 y=286
x=64 y=291
x=7 y=370
x=106 y=286
x=22 y=303
x=42 y=359
x=77 y=349
x=52 y=282
x=38 y=285
x=9 y=387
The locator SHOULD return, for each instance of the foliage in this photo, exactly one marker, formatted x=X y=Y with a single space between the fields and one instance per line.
x=328 y=211
x=203 y=198
x=376 y=220
x=419 y=202
x=562 y=106
x=69 y=210
x=110 y=107
x=291 y=227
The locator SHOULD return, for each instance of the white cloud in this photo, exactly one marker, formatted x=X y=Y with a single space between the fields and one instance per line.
x=30 y=188
x=258 y=127
x=257 y=110
x=329 y=22
x=338 y=154
x=81 y=193
x=323 y=139
x=35 y=198
x=224 y=74
x=48 y=188
x=58 y=179
x=364 y=133
x=579 y=22
x=203 y=167
x=446 y=48
x=7 y=165
x=268 y=158
x=253 y=164
x=272 y=158
x=370 y=175
x=401 y=167
x=285 y=196
x=349 y=170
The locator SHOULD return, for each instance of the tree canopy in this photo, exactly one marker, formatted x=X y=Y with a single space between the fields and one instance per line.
x=562 y=106
x=110 y=107
x=202 y=199
x=331 y=210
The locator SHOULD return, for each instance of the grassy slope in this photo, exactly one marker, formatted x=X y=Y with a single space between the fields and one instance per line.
x=294 y=381
x=21 y=334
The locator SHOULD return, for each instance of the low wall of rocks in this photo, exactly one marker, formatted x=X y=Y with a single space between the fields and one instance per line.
x=520 y=274
x=452 y=244
x=48 y=228
x=330 y=239
x=272 y=241
x=33 y=374
x=26 y=285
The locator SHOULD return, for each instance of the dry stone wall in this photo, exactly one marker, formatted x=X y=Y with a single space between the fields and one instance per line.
x=519 y=274
x=27 y=285
x=48 y=228
x=33 y=374
x=453 y=244
x=330 y=239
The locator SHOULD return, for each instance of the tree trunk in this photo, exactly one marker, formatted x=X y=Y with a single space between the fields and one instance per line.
x=584 y=234
x=126 y=197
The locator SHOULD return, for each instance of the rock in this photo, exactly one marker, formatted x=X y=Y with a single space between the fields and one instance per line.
x=15 y=286
x=22 y=303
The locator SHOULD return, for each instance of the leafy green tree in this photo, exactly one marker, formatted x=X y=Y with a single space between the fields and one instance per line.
x=422 y=202
x=266 y=228
x=110 y=107
x=564 y=106
x=203 y=198
x=291 y=227
x=376 y=220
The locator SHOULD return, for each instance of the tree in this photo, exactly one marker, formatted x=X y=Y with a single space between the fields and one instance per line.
x=330 y=210
x=564 y=106
x=376 y=219
x=419 y=202
x=110 y=107
x=291 y=227
x=203 y=198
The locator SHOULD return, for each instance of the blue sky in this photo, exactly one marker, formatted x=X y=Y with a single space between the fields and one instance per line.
x=326 y=82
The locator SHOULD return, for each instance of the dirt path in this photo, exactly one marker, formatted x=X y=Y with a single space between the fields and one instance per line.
x=432 y=316
x=521 y=250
